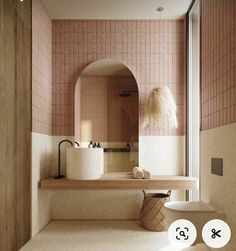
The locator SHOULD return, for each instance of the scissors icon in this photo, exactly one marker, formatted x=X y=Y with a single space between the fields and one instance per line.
x=215 y=233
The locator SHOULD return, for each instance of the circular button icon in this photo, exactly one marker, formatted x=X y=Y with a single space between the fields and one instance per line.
x=216 y=233
x=182 y=233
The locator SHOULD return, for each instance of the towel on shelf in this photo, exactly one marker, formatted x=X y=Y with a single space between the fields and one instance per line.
x=138 y=173
x=146 y=173
x=141 y=173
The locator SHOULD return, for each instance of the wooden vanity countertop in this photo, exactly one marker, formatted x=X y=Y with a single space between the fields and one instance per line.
x=122 y=181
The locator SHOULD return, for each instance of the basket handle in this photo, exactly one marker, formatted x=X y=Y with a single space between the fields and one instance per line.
x=144 y=193
x=169 y=193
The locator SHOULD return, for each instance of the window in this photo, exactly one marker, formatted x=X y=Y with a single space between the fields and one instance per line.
x=193 y=94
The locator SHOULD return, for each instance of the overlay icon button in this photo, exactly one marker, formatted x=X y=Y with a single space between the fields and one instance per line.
x=182 y=233
x=216 y=233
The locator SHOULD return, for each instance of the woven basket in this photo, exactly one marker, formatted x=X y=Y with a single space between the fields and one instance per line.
x=151 y=214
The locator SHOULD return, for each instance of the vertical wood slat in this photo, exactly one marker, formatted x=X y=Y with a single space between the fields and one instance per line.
x=15 y=123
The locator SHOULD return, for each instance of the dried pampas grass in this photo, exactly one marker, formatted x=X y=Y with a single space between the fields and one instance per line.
x=160 y=110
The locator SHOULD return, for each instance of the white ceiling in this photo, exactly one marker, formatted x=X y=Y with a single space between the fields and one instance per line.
x=116 y=9
x=106 y=67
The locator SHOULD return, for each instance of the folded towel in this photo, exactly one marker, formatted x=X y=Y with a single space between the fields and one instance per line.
x=147 y=174
x=138 y=173
x=135 y=169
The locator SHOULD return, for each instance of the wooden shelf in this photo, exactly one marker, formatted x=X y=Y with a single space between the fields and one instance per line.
x=122 y=181
x=120 y=150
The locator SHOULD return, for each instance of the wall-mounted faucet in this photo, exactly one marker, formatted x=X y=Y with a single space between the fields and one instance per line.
x=77 y=143
x=59 y=176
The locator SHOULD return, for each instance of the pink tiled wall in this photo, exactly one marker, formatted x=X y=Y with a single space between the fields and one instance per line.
x=218 y=63
x=152 y=50
x=104 y=115
x=41 y=70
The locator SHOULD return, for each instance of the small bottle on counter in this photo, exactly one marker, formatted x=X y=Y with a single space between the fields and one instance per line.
x=98 y=145
x=90 y=145
x=94 y=145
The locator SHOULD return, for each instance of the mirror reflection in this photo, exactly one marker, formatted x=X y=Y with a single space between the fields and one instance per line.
x=106 y=113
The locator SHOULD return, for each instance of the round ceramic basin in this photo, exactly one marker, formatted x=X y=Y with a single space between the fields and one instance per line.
x=84 y=163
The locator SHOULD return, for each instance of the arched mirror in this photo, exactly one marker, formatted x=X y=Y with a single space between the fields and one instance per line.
x=107 y=112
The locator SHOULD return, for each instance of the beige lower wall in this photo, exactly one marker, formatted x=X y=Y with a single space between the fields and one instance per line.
x=99 y=205
x=41 y=168
x=161 y=155
x=165 y=153
x=96 y=204
x=217 y=190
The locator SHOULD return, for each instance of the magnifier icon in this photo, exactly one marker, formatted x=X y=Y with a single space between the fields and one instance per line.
x=182 y=233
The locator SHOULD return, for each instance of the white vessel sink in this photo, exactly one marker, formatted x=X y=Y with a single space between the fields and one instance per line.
x=84 y=163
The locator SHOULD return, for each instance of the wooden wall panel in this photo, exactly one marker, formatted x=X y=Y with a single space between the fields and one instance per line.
x=15 y=123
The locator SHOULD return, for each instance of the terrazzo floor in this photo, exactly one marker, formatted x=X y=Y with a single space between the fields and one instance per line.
x=101 y=236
